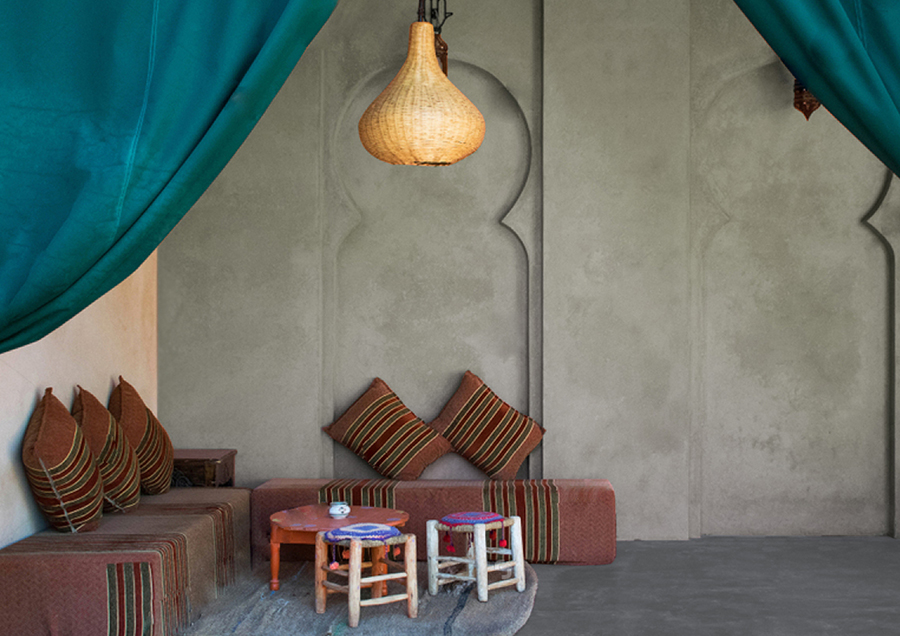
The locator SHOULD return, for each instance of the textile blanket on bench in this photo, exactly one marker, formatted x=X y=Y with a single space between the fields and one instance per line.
x=563 y=520
x=146 y=572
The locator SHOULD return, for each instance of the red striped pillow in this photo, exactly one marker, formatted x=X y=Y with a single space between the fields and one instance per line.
x=116 y=459
x=379 y=428
x=487 y=431
x=61 y=470
x=151 y=443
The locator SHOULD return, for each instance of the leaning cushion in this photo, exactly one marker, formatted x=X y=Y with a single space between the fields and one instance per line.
x=116 y=459
x=362 y=532
x=487 y=431
x=61 y=470
x=151 y=443
x=380 y=429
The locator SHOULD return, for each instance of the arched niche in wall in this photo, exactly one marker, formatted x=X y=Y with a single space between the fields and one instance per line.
x=789 y=314
x=429 y=282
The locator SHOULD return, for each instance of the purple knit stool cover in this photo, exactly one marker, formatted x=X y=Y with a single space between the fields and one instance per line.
x=470 y=518
x=363 y=532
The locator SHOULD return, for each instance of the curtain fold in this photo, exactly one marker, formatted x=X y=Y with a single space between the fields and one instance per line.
x=847 y=52
x=114 y=118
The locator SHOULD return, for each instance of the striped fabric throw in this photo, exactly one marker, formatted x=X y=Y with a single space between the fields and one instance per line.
x=170 y=603
x=222 y=515
x=129 y=593
x=536 y=501
x=378 y=493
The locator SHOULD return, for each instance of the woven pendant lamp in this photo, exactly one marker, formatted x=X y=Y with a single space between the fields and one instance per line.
x=421 y=118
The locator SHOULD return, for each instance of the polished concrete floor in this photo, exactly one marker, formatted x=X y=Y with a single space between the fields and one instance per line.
x=792 y=586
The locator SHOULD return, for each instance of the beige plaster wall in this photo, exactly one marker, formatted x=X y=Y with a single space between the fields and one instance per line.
x=653 y=254
x=116 y=335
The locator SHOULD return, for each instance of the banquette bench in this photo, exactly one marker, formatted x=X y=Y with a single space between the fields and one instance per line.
x=148 y=571
x=563 y=520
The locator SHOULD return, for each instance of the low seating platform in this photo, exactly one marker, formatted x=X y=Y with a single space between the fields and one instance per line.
x=148 y=571
x=563 y=520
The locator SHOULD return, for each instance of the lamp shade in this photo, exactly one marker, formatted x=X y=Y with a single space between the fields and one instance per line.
x=421 y=118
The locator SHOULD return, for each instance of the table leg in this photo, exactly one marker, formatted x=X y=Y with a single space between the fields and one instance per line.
x=321 y=575
x=275 y=560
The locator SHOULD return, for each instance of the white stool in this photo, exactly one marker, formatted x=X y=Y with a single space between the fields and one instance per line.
x=476 y=565
x=377 y=537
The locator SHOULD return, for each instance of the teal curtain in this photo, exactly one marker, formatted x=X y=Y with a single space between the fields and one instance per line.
x=115 y=116
x=847 y=52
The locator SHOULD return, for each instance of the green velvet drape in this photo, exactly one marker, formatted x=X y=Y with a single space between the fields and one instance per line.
x=847 y=52
x=115 y=116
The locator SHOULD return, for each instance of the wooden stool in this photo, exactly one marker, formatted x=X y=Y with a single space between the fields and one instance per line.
x=377 y=537
x=475 y=562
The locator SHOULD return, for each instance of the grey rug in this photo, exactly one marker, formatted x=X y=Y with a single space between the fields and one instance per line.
x=248 y=608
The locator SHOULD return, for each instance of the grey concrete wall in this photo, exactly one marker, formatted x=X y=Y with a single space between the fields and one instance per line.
x=652 y=253
x=616 y=205
x=790 y=333
x=428 y=252
x=241 y=332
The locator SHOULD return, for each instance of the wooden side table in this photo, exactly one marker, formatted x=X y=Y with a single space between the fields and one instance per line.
x=300 y=525
x=207 y=467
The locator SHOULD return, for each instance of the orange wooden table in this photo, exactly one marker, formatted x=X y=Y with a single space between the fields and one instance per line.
x=300 y=525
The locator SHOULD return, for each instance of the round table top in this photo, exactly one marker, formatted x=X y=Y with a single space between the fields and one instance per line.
x=315 y=518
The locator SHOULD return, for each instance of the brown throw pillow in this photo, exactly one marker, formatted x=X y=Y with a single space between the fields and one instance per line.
x=380 y=429
x=151 y=443
x=115 y=458
x=487 y=431
x=59 y=465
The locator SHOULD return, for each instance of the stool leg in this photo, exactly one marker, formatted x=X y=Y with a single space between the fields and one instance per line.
x=321 y=575
x=518 y=553
x=354 y=582
x=470 y=549
x=412 y=584
x=481 y=574
x=378 y=567
x=431 y=542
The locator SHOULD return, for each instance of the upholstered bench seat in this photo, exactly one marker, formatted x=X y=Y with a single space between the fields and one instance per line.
x=563 y=520
x=156 y=566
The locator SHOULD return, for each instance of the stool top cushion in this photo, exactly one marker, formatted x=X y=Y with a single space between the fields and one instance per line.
x=362 y=532
x=470 y=518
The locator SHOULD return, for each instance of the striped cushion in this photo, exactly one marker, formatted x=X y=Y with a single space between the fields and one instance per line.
x=60 y=468
x=116 y=459
x=379 y=428
x=487 y=431
x=151 y=443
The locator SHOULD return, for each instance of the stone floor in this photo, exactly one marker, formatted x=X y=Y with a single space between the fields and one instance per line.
x=790 y=586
